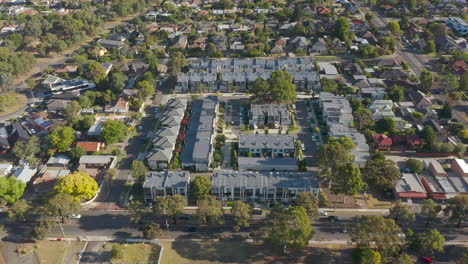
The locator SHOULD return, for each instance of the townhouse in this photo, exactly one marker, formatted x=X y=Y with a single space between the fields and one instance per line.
x=262 y=187
x=198 y=141
x=269 y=115
x=226 y=75
x=164 y=183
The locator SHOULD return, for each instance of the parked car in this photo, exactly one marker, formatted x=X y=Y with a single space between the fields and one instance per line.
x=323 y=213
x=426 y=260
x=257 y=211
x=333 y=218
x=302 y=146
x=74 y=216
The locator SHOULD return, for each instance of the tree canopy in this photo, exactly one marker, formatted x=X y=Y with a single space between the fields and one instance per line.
x=310 y=202
x=139 y=170
x=210 y=210
x=114 y=131
x=242 y=214
x=200 y=187
x=79 y=185
x=457 y=208
x=402 y=213
x=27 y=149
x=381 y=173
x=171 y=206
x=278 y=88
x=62 y=205
x=11 y=189
x=61 y=138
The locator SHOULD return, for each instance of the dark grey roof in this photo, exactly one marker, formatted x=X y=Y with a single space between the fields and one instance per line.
x=253 y=141
x=162 y=179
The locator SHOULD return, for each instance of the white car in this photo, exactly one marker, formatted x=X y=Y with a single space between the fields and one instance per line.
x=323 y=213
x=303 y=147
x=75 y=216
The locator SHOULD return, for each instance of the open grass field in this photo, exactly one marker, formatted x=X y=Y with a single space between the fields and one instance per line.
x=20 y=102
x=139 y=253
x=58 y=251
x=185 y=252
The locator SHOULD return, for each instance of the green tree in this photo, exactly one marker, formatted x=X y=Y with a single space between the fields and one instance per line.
x=77 y=152
x=310 y=203
x=430 y=46
x=97 y=72
x=260 y=90
x=27 y=149
x=366 y=255
x=242 y=213
x=152 y=231
x=363 y=118
x=176 y=63
x=332 y=156
x=402 y=213
x=396 y=93
x=329 y=85
x=394 y=27
x=426 y=80
x=200 y=187
x=20 y=210
x=146 y=89
x=342 y=29
x=457 y=209
x=61 y=138
x=418 y=115
x=79 y=185
x=428 y=135
x=114 y=131
x=427 y=242
x=449 y=82
x=376 y=231
x=117 y=80
x=136 y=211
x=139 y=171
x=211 y=50
x=11 y=189
x=446 y=111
x=62 y=205
x=41 y=229
x=290 y=228
x=210 y=210
x=386 y=125
x=171 y=206
x=430 y=210
x=415 y=165
x=381 y=173
x=72 y=110
x=405 y=259
x=349 y=180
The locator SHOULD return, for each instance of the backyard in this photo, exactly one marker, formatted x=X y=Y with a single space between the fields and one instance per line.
x=181 y=252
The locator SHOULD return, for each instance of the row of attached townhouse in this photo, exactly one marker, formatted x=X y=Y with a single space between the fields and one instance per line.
x=240 y=74
x=198 y=141
x=337 y=113
x=165 y=138
x=258 y=187
x=269 y=115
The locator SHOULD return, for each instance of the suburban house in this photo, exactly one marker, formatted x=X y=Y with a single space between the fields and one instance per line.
x=46 y=181
x=60 y=161
x=56 y=105
x=198 y=142
x=91 y=146
x=420 y=100
x=164 y=183
x=458 y=25
x=318 y=45
x=381 y=109
x=5 y=169
x=410 y=186
x=96 y=165
x=382 y=142
x=460 y=167
x=436 y=169
x=269 y=115
x=262 y=187
x=374 y=93
x=25 y=173
x=4 y=143
x=120 y=106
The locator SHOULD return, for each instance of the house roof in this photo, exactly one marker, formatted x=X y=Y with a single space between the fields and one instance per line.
x=382 y=139
x=25 y=173
x=90 y=146
x=96 y=159
x=267 y=141
x=409 y=183
x=61 y=159
x=462 y=164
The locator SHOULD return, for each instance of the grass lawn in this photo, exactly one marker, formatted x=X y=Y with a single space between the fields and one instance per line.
x=21 y=102
x=58 y=251
x=138 y=253
x=183 y=252
x=375 y=202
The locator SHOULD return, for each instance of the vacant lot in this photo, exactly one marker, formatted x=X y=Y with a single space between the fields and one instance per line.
x=58 y=251
x=184 y=252
x=139 y=253
x=14 y=102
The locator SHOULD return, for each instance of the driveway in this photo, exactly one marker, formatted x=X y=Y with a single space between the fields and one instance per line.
x=305 y=135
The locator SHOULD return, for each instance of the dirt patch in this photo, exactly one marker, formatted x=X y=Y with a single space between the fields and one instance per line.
x=20 y=103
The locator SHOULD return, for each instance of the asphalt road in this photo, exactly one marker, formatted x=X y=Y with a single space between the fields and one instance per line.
x=305 y=135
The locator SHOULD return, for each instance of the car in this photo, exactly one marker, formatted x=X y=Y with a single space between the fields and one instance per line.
x=257 y=211
x=74 y=216
x=302 y=146
x=192 y=229
x=156 y=109
x=426 y=260
x=323 y=213
x=232 y=122
x=333 y=218
x=276 y=126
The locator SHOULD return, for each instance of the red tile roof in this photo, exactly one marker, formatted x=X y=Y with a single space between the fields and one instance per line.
x=382 y=141
x=90 y=146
